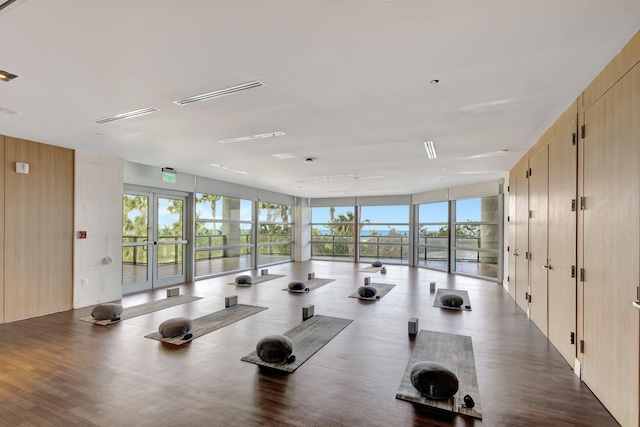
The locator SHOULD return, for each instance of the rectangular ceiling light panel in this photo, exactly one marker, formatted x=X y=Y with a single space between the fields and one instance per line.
x=128 y=115
x=431 y=149
x=252 y=137
x=218 y=93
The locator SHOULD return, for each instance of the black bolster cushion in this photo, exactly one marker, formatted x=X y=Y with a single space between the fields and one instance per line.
x=367 y=291
x=107 y=311
x=243 y=280
x=297 y=286
x=176 y=327
x=274 y=348
x=376 y=264
x=434 y=380
x=454 y=301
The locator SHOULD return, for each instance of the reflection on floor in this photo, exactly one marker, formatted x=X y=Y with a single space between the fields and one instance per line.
x=57 y=370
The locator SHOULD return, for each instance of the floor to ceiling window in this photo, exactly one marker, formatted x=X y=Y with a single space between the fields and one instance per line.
x=224 y=229
x=432 y=248
x=275 y=233
x=478 y=236
x=384 y=234
x=333 y=233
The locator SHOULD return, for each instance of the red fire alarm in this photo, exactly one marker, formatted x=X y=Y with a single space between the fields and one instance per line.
x=82 y=234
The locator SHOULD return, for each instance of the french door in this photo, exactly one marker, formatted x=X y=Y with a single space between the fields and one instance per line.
x=155 y=246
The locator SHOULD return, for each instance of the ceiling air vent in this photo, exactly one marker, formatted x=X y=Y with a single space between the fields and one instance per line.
x=7 y=6
x=129 y=115
x=219 y=93
x=6 y=3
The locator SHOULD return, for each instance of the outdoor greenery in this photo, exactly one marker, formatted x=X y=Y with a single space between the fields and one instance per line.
x=135 y=230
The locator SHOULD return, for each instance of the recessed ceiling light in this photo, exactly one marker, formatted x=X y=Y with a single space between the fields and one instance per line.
x=127 y=115
x=218 y=93
x=284 y=156
x=431 y=149
x=229 y=169
x=252 y=137
x=6 y=76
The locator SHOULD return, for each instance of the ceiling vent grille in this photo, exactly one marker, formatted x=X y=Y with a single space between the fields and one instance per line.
x=219 y=93
x=7 y=6
x=7 y=3
x=129 y=115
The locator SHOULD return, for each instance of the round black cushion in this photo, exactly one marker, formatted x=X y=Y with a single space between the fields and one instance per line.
x=367 y=291
x=274 y=348
x=176 y=327
x=376 y=264
x=297 y=286
x=451 y=300
x=106 y=311
x=243 y=280
x=434 y=380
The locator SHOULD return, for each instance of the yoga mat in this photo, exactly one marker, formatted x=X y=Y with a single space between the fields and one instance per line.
x=383 y=289
x=259 y=279
x=211 y=322
x=466 y=302
x=312 y=284
x=308 y=337
x=370 y=269
x=147 y=307
x=454 y=352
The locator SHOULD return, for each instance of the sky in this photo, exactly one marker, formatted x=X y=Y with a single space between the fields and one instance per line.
x=468 y=209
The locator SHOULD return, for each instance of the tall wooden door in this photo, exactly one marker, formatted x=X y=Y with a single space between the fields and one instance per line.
x=511 y=228
x=538 y=257
x=611 y=240
x=522 y=235
x=562 y=241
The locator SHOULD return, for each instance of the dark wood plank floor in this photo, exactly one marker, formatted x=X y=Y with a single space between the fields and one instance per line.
x=56 y=370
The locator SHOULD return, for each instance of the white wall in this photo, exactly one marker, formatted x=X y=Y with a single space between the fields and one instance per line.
x=98 y=211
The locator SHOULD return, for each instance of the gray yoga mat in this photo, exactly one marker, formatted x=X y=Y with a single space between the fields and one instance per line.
x=370 y=269
x=312 y=284
x=259 y=279
x=454 y=352
x=466 y=302
x=308 y=337
x=383 y=289
x=211 y=322
x=147 y=307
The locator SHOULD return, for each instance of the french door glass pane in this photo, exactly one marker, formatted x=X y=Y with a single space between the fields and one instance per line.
x=135 y=229
x=170 y=228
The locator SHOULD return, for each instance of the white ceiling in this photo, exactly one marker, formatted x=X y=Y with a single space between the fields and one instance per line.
x=346 y=80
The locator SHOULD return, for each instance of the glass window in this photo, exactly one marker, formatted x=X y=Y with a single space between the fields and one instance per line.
x=432 y=248
x=333 y=233
x=384 y=234
x=223 y=234
x=477 y=243
x=275 y=233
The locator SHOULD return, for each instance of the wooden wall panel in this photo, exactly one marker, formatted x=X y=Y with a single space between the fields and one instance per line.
x=538 y=205
x=38 y=229
x=619 y=65
x=511 y=227
x=562 y=238
x=2 y=231
x=611 y=248
x=522 y=233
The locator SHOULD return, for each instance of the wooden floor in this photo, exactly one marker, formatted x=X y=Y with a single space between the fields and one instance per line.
x=56 y=370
